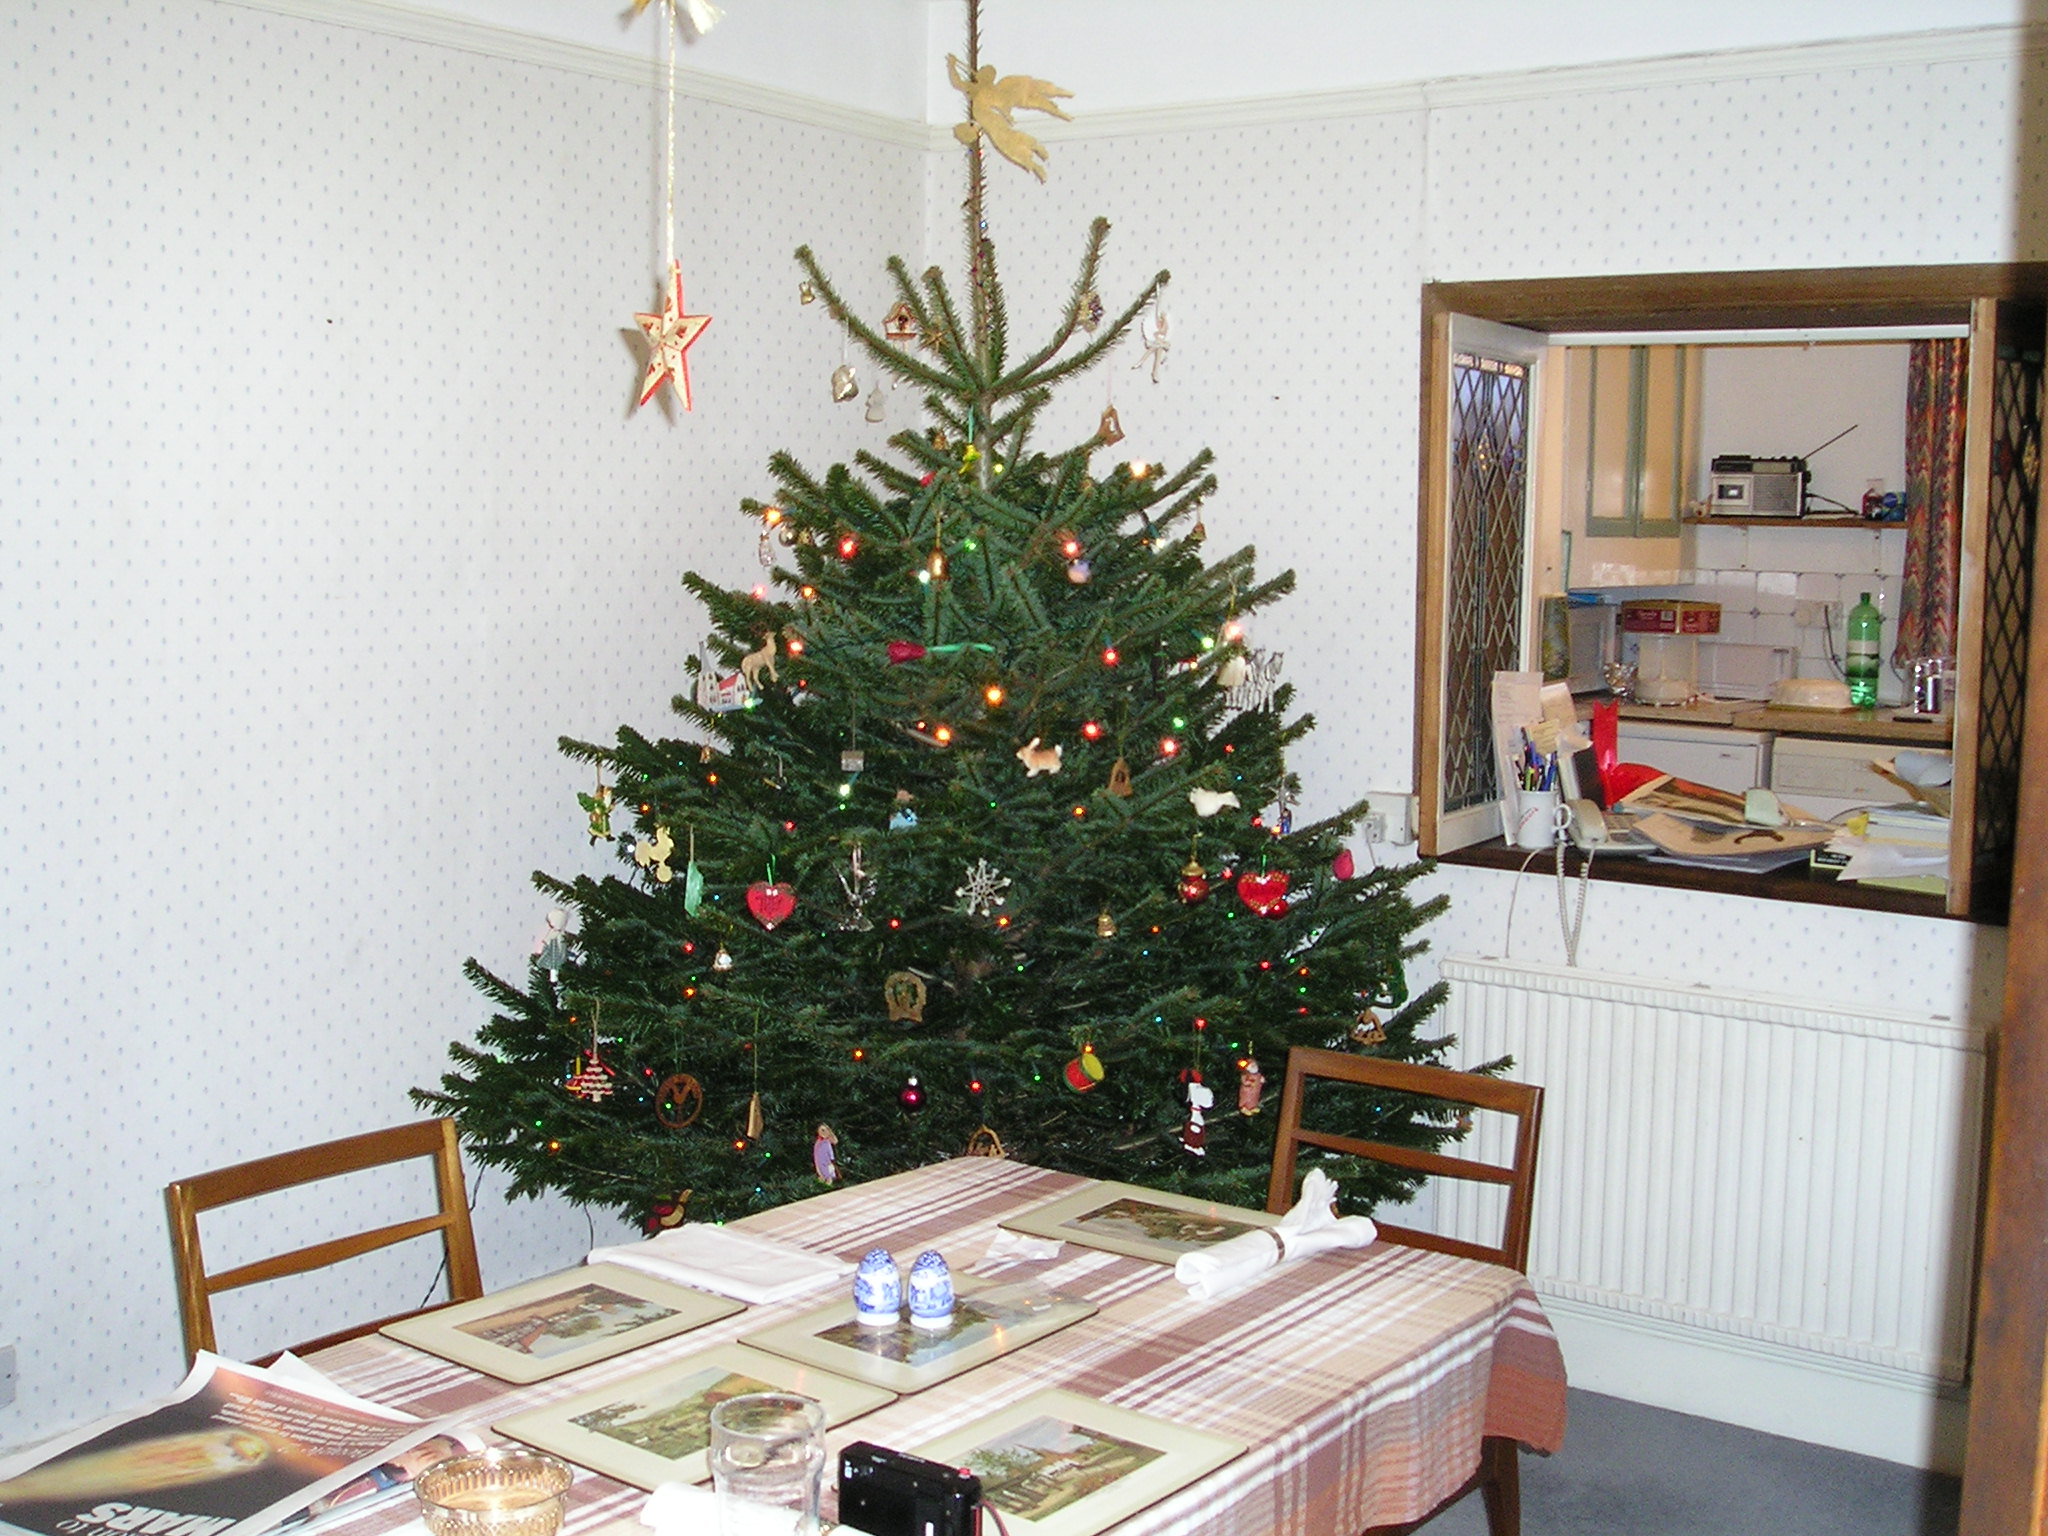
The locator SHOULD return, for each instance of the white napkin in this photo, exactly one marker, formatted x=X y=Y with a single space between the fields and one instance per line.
x=743 y=1265
x=1313 y=1226
x=677 y=1509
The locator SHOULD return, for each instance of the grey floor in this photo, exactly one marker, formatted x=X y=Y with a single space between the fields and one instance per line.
x=1628 y=1470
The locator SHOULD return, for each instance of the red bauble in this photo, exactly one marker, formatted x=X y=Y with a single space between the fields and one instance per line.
x=1343 y=866
x=1194 y=883
x=912 y=1096
x=1265 y=894
x=769 y=903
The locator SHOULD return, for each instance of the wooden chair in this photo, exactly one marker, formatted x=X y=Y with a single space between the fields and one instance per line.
x=1499 y=1474
x=186 y=1198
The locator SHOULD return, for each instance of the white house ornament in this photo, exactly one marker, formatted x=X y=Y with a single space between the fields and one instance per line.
x=900 y=325
x=670 y=335
x=720 y=693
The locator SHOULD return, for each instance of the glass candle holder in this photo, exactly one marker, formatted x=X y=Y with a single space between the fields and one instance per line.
x=504 y=1491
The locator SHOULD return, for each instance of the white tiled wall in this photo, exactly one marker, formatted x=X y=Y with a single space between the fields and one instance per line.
x=1789 y=590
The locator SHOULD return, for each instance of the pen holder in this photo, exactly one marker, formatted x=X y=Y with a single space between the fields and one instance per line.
x=1535 y=819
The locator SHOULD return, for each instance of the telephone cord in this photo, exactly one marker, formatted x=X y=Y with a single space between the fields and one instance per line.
x=1570 y=925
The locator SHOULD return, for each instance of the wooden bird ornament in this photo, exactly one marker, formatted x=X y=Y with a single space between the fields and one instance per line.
x=990 y=101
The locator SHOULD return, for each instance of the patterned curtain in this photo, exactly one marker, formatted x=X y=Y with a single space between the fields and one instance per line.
x=1936 y=378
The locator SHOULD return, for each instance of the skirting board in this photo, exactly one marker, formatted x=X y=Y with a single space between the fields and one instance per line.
x=1873 y=1412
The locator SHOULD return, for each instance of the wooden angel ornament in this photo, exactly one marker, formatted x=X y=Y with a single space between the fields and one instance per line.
x=990 y=101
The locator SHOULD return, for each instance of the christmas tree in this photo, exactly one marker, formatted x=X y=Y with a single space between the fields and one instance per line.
x=976 y=836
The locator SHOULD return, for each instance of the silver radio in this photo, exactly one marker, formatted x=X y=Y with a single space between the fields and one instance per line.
x=1741 y=486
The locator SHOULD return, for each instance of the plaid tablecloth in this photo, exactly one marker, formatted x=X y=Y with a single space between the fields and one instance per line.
x=1363 y=1380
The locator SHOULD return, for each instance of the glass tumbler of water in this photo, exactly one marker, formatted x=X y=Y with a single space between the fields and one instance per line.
x=768 y=1464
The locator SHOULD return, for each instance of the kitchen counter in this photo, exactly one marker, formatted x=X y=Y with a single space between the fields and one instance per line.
x=1899 y=726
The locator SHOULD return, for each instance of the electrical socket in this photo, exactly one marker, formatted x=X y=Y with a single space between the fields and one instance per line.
x=6 y=1374
x=1390 y=818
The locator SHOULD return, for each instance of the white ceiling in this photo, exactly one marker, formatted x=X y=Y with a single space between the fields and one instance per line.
x=888 y=56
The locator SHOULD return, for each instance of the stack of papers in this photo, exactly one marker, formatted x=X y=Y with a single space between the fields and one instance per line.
x=1700 y=825
x=1898 y=847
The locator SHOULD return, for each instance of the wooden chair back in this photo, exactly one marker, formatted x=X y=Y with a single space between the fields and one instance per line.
x=1522 y=1100
x=187 y=1198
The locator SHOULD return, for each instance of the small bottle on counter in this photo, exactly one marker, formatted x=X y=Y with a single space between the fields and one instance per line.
x=1860 y=661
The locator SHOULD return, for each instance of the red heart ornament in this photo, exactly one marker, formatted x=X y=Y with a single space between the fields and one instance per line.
x=1265 y=894
x=770 y=904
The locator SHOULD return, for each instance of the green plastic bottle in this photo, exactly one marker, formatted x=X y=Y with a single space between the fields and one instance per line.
x=1859 y=667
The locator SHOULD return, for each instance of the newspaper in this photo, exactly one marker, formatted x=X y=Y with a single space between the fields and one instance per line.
x=233 y=1452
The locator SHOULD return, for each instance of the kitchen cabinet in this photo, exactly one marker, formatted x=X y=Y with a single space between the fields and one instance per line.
x=1719 y=755
x=1631 y=450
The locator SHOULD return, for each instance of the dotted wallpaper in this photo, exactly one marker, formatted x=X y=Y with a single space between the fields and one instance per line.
x=325 y=513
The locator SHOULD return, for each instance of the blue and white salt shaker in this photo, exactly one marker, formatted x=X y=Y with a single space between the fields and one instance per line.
x=877 y=1290
x=931 y=1291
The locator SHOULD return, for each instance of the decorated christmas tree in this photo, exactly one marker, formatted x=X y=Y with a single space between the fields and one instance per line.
x=976 y=834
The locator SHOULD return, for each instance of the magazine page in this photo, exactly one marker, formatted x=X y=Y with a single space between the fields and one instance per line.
x=234 y=1450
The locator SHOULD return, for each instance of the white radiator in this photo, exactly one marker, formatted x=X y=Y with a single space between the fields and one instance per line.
x=1784 y=1172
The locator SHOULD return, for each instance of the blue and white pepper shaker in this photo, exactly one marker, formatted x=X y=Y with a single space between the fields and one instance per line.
x=877 y=1290
x=931 y=1291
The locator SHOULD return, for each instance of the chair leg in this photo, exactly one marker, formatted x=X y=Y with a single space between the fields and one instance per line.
x=1502 y=1490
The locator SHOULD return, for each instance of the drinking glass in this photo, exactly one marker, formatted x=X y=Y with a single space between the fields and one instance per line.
x=768 y=1464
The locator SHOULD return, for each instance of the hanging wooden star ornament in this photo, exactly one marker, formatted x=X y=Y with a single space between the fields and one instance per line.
x=669 y=337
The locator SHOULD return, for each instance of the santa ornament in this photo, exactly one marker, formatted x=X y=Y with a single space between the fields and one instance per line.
x=1194 y=1133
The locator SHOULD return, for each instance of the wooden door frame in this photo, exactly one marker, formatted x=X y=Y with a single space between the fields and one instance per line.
x=2005 y=1473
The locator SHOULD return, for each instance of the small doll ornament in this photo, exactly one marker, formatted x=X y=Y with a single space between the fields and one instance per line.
x=551 y=948
x=1194 y=1134
x=825 y=1155
x=1251 y=1087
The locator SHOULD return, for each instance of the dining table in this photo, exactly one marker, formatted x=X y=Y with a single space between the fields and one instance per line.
x=1363 y=1380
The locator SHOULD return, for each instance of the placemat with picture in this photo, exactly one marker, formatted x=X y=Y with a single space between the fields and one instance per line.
x=530 y=1332
x=988 y=1322
x=1060 y=1464
x=1143 y=1223
x=656 y=1427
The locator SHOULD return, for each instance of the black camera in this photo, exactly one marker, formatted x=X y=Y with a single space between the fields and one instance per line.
x=887 y=1493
